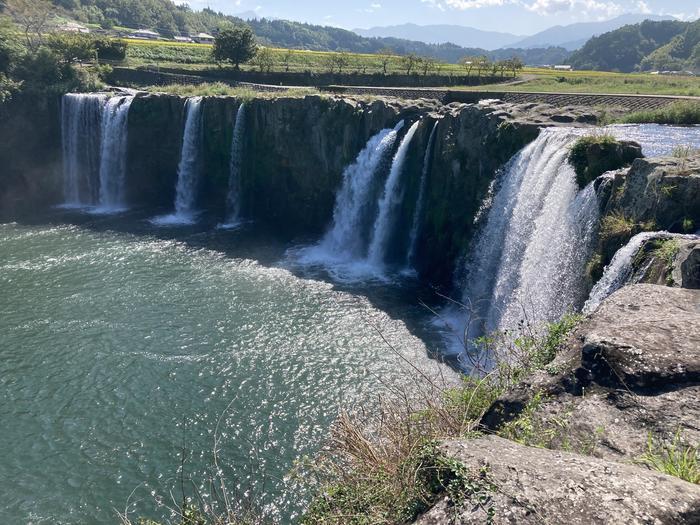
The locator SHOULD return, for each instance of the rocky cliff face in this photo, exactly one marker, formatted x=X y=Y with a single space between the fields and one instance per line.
x=30 y=154
x=296 y=150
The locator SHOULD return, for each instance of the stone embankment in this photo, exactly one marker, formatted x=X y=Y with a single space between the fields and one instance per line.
x=445 y=96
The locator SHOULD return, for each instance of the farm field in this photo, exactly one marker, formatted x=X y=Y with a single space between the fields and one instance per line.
x=197 y=58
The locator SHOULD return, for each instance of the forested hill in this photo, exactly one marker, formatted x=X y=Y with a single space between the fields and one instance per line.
x=660 y=46
x=171 y=19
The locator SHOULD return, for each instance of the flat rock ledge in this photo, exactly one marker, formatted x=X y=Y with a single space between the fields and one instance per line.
x=540 y=486
x=629 y=373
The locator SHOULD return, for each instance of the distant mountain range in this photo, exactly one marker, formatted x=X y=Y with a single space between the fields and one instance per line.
x=570 y=37
x=441 y=34
x=574 y=36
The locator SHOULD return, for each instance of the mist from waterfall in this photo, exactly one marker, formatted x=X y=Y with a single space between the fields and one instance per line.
x=420 y=202
x=528 y=263
x=389 y=202
x=189 y=168
x=113 y=153
x=233 y=199
x=81 y=122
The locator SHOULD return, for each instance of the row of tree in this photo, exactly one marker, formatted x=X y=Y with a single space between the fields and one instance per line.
x=238 y=46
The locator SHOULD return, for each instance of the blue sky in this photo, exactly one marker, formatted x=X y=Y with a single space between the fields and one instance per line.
x=514 y=16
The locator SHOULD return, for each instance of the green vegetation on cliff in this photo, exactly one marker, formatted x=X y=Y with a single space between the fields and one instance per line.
x=386 y=469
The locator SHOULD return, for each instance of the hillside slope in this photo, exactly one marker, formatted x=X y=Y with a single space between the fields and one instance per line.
x=171 y=19
x=668 y=44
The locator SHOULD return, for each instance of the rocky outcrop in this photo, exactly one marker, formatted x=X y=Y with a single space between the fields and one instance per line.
x=631 y=370
x=580 y=428
x=527 y=485
x=592 y=156
x=662 y=191
x=668 y=259
x=686 y=269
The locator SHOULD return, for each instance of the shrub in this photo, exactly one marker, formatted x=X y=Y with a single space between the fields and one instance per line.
x=679 y=113
x=386 y=469
x=110 y=49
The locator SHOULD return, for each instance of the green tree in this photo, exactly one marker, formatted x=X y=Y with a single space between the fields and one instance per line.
x=428 y=65
x=410 y=62
x=342 y=60
x=516 y=65
x=468 y=63
x=483 y=63
x=32 y=17
x=236 y=46
x=71 y=48
x=287 y=59
x=263 y=59
x=386 y=56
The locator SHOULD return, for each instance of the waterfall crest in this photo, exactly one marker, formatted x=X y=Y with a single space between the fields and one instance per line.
x=233 y=199
x=188 y=169
x=113 y=154
x=389 y=202
x=420 y=202
x=528 y=262
x=81 y=121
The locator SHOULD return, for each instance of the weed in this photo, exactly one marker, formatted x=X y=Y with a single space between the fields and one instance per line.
x=673 y=458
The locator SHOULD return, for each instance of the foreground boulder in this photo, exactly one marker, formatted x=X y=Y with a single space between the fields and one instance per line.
x=631 y=371
x=526 y=485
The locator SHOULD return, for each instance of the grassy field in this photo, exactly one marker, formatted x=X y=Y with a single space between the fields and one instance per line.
x=541 y=80
x=197 y=57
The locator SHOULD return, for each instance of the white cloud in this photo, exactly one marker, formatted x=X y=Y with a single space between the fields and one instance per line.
x=552 y=7
x=463 y=5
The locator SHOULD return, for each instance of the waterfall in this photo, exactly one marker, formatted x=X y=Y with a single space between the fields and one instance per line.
x=389 y=202
x=420 y=203
x=188 y=169
x=81 y=117
x=345 y=240
x=618 y=272
x=528 y=262
x=113 y=154
x=233 y=199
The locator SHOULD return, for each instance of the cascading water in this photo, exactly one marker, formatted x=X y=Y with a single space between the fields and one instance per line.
x=618 y=272
x=389 y=202
x=420 y=203
x=529 y=260
x=233 y=199
x=113 y=154
x=345 y=240
x=188 y=169
x=81 y=117
x=343 y=249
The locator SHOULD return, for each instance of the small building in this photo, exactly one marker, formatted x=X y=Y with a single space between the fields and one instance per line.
x=203 y=38
x=145 y=34
x=73 y=27
x=183 y=39
x=563 y=68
